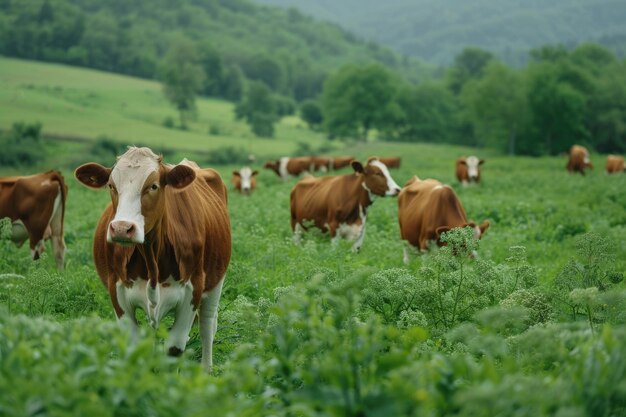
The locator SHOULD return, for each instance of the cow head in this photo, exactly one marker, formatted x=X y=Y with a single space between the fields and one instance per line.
x=274 y=166
x=245 y=179
x=137 y=185
x=376 y=178
x=472 y=163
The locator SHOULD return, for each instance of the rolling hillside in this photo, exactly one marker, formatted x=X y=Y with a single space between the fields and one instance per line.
x=89 y=104
x=435 y=30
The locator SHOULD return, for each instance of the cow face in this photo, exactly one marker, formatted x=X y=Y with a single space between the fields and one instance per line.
x=245 y=178
x=472 y=164
x=137 y=185
x=377 y=180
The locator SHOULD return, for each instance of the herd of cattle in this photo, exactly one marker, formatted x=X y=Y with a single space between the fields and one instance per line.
x=164 y=243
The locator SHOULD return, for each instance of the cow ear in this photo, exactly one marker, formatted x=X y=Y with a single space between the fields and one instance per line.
x=484 y=226
x=93 y=175
x=357 y=167
x=372 y=158
x=255 y=172
x=236 y=174
x=482 y=161
x=180 y=176
x=463 y=162
x=441 y=230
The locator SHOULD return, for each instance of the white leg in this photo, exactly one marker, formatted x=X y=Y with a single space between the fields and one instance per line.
x=406 y=258
x=128 y=319
x=185 y=314
x=297 y=234
x=153 y=301
x=359 y=240
x=208 y=323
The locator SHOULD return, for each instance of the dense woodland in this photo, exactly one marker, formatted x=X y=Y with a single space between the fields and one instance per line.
x=437 y=30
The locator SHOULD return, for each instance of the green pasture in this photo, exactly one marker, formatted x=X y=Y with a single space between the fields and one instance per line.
x=533 y=327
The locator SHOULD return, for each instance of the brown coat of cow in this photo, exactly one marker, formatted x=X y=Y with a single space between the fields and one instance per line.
x=428 y=208
x=185 y=249
x=244 y=180
x=286 y=166
x=340 y=162
x=36 y=206
x=578 y=159
x=389 y=161
x=339 y=204
x=614 y=164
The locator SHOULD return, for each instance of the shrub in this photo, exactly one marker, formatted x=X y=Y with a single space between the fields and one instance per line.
x=21 y=145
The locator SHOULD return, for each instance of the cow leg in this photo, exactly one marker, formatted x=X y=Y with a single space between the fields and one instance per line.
x=297 y=234
x=208 y=323
x=359 y=240
x=185 y=315
x=56 y=232
x=124 y=311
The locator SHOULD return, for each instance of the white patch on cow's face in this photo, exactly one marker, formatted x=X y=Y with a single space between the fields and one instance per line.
x=282 y=167
x=245 y=175
x=392 y=187
x=472 y=163
x=477 y=232
x=128 y=178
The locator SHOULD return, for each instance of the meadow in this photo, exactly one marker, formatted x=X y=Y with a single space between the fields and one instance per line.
x=534 y=326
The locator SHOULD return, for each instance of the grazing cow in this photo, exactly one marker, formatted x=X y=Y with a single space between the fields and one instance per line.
x=468 y=169
x=163 y=243
x=339 y=203
x=286 y=166
x=244 y=180
x=321 y=163
x=390 y=162
x=428 y=208
x=36 y=206
x=339 y=162
x=614 y=164
x=578 y=159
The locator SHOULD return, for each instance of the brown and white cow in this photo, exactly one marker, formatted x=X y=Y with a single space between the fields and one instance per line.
x=614 y=164
x=286 y=166
x=389 y=161
x=578 y=159
x=36 y=206
x=244 y=180
x=340 y=162
x=321 y=163
x=468 y=169
x=163 y=243
x=339 y=204
x=428 y=208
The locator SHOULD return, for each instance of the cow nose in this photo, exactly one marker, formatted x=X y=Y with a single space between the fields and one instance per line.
x=396 y=191
x=122 y=230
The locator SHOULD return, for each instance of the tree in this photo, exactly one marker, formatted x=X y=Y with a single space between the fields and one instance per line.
x=258 y=108
x=232 y=87
x=358 y=99
x=496 y=106
x=211 y=61
x=182 y=78
x=311 y=113
x=468 y=65
x=429 y=113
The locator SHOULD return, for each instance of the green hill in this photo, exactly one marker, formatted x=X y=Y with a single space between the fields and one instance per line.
x=436 y=30
x=86 y=105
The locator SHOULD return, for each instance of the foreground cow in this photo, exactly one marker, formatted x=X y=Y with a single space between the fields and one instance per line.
x=468 y=169
x=428 y=208
x=36 y=206
x=163 y=243
x=614 y=164
x=286 y=166
x=339 y=203
x=578 y=159
x=390 y=161
x=244 y=180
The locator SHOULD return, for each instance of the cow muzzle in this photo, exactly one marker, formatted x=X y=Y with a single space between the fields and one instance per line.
x=124 y=232
x=393 y=192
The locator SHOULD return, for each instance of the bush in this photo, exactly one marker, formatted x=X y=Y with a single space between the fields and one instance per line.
x=21 y=146
x=227 y=155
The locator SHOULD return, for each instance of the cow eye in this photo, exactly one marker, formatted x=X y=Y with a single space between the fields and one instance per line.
x=154 y=187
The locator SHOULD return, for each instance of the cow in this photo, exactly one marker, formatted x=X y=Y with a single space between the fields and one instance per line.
x=340 y=162
x=321 y=163
x=614 y=164
x=578 y=160
x=390 y=161
x=339 y=204
x=468 y=169
x=286 y=166
x=163 y=243
x=428 y=208
x=35 y=205
x=244 y=180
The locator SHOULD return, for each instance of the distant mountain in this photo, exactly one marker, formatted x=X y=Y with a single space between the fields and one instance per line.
x=436 y=30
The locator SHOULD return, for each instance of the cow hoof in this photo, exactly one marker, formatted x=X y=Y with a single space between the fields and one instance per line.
x=174 y=351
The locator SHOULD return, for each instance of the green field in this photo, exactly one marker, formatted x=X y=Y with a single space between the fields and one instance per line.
x=533 y=327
